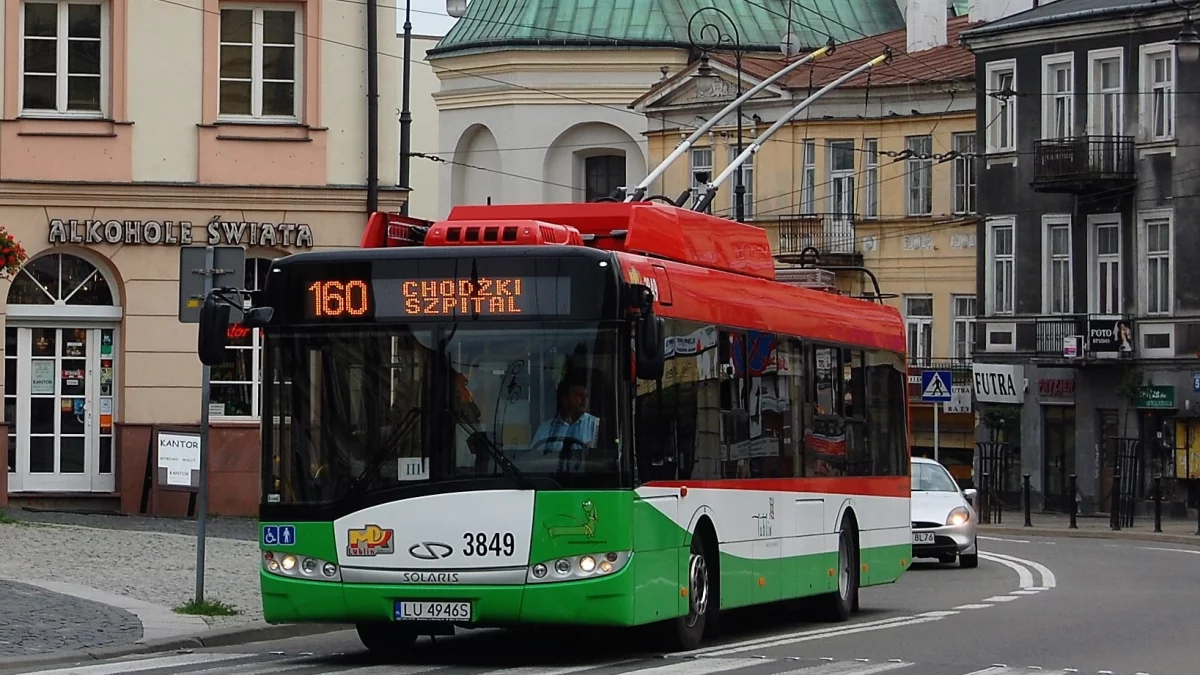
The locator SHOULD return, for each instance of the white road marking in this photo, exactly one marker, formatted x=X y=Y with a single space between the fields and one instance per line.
x=1005 y=670
x=1176 y=550
x=750 y=644
x=1048 y=578
x=700 y=667
x=537 y=670
x=146 y=664
x=859 y=628
x=939 y=614
x=848 y=668
x=1024 y=576
x=1001 y=598
x=1011 y=541
x=1025 y=592
x=974 y=606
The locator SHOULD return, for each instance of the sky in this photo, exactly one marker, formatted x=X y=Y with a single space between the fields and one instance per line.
x=428 y=17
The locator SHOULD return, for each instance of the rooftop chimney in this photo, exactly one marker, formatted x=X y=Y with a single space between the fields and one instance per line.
x=926 y=23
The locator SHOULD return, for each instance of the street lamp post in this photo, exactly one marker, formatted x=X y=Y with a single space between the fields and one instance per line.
x=713 y=37
x=1187 y=45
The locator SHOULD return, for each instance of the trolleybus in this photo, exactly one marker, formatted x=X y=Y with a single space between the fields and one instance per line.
x=592 y=414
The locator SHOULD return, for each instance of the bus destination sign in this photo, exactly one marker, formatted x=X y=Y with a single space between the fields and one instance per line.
x=482 y=297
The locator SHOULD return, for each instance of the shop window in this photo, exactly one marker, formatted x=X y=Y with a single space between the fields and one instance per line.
x=260 y=63
x=237 y=383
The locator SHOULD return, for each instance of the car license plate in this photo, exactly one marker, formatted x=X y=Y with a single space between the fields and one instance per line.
x=922 y=537
x=432 y=611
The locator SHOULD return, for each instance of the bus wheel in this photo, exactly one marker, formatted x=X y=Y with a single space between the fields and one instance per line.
x=687 y=632
x=385 y=639
x=840 y=603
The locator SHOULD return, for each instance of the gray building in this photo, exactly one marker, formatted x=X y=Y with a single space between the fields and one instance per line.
x=1089 y=251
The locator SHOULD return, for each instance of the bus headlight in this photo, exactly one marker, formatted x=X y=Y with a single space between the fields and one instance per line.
x=578 y=567
x=300 y=566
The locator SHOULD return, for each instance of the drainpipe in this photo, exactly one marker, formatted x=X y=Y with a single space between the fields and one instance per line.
x=372 y=106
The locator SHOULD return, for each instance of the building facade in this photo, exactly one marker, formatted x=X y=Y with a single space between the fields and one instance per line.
x=535 y=108
x=134 y=128
x=1089 y=326
x=877 y=173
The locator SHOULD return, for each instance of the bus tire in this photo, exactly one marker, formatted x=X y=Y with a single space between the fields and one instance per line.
x=687 y=632
x=385 y=638
x=839 y=604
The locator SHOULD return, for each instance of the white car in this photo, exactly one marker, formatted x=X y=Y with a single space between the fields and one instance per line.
x=944 y=519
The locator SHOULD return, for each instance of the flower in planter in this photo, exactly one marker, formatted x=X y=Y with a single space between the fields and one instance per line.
x=12 y=255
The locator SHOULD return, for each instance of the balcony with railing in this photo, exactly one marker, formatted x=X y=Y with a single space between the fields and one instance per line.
x=1082 y=164
x=1067 y=337
x=830 y=234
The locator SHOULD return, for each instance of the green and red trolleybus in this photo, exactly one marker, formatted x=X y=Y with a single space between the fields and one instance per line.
x=592 y=414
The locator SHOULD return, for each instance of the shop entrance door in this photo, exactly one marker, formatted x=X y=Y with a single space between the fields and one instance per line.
x=1058 y=449
x=62 y=421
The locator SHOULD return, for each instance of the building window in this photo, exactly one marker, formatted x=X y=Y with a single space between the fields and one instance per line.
x=808 y=178
x=964 y=173
x=871 y=178
x=747 y=181
x=1156 y=262
x=603 y=174
x=237 y=384
x=64 y=58
x=1000 y=279
x=1106 y=268
x=964 y=326
x=1058 y=264
x=260 y=57
x=918 y=317
x=1158 y=95
x=841 y=178
x=1105 y=82
x=1059 y=89
x=702 y=165
x=1001 y=106
x=920 y=175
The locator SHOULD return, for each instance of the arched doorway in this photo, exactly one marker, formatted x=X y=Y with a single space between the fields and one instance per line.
x=60 y=335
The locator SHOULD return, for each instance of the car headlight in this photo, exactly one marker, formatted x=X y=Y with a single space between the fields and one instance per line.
x=958 y=516
x=573 y=568
x=300 y=566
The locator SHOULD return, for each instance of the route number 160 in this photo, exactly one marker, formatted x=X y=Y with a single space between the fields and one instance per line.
x=333 y=299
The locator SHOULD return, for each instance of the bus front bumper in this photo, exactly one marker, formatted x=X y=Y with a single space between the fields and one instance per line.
x=604 y=601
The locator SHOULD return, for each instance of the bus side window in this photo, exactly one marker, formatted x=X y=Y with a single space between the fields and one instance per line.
x=858 y=460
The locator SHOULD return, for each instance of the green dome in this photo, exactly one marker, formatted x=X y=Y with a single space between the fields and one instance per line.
x=491 y=24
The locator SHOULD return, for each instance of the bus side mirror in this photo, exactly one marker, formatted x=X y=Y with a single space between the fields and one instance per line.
x=650 y=358
x=214 y=327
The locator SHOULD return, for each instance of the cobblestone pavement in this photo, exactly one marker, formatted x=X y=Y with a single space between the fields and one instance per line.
x=226 y=528
x=36 y=621
x=156 y=567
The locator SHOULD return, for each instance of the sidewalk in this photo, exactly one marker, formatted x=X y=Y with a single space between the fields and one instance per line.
x=102 y=586
x=1175 y=531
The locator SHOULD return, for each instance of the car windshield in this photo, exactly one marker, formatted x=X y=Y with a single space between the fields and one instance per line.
x=931 y=478
x=368 y=409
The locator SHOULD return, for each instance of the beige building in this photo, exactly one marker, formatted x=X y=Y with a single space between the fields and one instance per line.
x=878 y=173
x=168 y=124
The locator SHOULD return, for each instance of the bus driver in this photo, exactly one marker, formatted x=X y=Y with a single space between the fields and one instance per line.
x=571 y=421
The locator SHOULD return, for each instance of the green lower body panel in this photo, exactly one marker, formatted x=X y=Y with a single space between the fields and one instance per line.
x=648 y=590
x=608 y=601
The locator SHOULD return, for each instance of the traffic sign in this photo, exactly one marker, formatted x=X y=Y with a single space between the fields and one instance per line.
x=936 y=386
x=228 y=269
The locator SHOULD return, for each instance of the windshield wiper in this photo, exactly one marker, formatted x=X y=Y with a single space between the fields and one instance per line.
x=387 y=449
x=495 y=452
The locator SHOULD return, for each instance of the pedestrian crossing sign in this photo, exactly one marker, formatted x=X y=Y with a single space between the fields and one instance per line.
x=935 y=386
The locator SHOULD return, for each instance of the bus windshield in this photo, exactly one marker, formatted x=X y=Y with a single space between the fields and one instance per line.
x=369 y=409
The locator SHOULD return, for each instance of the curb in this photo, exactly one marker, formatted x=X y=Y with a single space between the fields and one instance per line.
x=1186 y=539
x=227 y=637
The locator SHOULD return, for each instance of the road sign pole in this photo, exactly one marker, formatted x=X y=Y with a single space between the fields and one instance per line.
x=205 y=394
x=936 y=434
